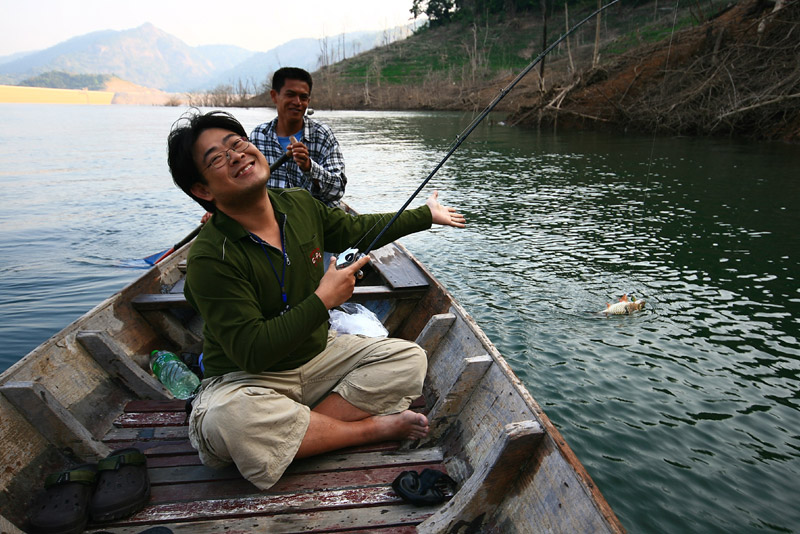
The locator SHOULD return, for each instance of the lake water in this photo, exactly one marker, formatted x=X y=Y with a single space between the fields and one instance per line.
x=686 y=415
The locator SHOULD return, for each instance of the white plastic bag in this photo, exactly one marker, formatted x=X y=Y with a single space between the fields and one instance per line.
x=354 y=318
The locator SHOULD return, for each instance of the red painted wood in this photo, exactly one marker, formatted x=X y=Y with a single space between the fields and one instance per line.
x=226 y=487
x=222 y=489
x=148 y=419
x=381 y=518
x=267 y=504
x=173 y=405
x=184 y=490
x=160 y=447
x=173 y=461
x=410 y=529
x=373 y=447
x=418 y=404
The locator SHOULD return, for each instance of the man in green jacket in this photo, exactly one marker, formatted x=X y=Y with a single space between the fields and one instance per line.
x=279 y=384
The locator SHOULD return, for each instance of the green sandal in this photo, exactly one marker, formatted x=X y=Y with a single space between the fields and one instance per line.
x=123 y=486
x=63 y=506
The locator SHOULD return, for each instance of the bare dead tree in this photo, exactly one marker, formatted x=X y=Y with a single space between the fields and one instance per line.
x=324 y=57
x=543 y=4
x=596 y=52
x=566 y=29
x=737 y=74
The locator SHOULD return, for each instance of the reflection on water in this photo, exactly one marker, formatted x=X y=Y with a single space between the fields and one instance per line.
x=685 y=414
x=682 y=413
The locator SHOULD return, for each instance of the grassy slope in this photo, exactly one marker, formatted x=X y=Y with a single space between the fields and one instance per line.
x=463 y=67
x=487 y=55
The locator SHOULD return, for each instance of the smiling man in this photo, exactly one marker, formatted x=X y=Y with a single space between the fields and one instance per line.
x=317 y=164
x=278 y=383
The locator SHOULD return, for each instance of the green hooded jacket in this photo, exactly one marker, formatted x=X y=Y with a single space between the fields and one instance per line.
x=233 y=281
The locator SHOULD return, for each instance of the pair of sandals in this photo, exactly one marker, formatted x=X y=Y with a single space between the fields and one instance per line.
x=114 y=488
x=427 y=488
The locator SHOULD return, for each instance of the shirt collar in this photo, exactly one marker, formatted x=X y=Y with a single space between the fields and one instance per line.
x=231 y=228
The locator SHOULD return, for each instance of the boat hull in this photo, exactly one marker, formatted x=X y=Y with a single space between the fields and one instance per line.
x=75 y=397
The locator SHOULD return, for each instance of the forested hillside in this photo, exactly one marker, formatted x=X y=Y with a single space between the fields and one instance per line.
x=704 y=69
x=65 y=80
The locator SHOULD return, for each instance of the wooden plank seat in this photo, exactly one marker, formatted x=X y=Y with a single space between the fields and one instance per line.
x=159 y=301
x=166 y=301
x=335 y=491
x=403 y=280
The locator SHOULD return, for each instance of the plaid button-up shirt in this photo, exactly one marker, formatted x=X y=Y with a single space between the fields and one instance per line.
x=326 y=179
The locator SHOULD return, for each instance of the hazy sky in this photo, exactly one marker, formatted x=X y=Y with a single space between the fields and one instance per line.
x=27 y=25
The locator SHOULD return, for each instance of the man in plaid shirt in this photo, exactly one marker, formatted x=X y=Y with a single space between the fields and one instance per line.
x=317 y=163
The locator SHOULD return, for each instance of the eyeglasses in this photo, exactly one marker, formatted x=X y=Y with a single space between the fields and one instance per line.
x=220 y=159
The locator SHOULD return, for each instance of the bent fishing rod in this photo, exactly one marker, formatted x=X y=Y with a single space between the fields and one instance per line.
x=352 y=254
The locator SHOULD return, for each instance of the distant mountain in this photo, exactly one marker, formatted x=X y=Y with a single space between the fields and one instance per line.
x=144 y=55
x=13 y=57
x=153 y=58
x=309 y=54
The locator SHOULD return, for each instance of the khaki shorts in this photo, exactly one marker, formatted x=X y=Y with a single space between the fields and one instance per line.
x=257 y=421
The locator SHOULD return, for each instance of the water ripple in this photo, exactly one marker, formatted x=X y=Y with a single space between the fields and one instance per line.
x=684 y=414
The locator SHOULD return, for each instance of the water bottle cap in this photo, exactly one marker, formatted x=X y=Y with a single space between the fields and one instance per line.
x=158 y=358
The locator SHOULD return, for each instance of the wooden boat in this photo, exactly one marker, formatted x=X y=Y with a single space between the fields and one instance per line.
x=87 y=391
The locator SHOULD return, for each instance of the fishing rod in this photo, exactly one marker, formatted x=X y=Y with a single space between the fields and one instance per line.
x=352 y=254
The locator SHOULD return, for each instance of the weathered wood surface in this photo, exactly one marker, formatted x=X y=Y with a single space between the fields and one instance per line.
x=160 y=301
x=551 y=487
x=361 y=293
x=389 y=519
x=454 y=397
x=79 y=384
x=379 y=292
x=7 y=527
x=52 y=420
x=395 y=268
x=435 y=329
x=481 y=495
x=485 y=421
x=343 y=489
x=116 y=363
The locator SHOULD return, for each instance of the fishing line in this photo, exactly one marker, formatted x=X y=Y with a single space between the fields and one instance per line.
x=655 y=127
x=648 y=174
x=371 y=228
x=663 y=83
x=352 y=254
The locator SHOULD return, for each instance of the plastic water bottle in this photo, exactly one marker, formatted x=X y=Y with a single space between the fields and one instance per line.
x=173 y=373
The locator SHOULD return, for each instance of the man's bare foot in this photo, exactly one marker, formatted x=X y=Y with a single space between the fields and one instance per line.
x=325 y=433
x=403 y=425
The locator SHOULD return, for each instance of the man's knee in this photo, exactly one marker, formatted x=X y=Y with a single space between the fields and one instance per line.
x=414 y=359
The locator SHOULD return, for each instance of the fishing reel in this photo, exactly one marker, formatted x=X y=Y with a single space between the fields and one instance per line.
x=349 y=257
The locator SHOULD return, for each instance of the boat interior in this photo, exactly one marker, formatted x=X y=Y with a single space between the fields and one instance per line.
x=88 y=391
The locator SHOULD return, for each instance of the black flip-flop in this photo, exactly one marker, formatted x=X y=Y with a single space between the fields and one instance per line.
x=63 y=506
x=424 y=489
x=123 y=486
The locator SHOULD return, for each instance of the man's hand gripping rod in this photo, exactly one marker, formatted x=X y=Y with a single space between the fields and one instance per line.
x=351 y=255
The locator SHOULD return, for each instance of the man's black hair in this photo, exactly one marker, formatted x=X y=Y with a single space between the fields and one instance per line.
x=180 y=147
x=290 y=73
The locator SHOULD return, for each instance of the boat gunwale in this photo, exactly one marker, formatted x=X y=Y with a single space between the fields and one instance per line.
x=153 y=278
x=551 y=431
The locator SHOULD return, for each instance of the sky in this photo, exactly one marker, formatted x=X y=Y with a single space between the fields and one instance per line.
x=28 y=25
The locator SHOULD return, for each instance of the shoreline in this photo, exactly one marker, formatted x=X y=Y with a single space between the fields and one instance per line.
x=13 y=94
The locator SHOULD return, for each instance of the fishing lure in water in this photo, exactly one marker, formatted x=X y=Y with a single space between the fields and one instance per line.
x=624 y=306
x=351 y=255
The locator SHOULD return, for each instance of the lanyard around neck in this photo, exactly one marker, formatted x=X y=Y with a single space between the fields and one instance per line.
x=282 y=278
